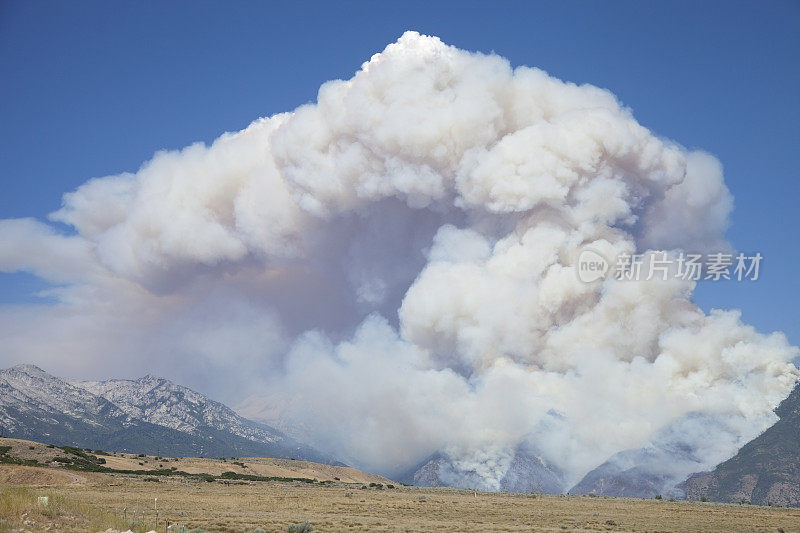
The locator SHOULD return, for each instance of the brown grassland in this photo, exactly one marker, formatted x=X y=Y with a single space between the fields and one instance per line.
x=94 y=502
x=258 y=466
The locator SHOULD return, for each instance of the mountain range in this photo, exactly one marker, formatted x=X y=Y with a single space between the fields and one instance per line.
x=149 y=415
x=764 y=471
x=155 y=416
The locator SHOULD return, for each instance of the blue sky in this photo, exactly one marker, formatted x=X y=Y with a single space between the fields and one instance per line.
x=95 y=88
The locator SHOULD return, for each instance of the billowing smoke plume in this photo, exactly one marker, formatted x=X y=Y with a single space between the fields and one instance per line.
x=390 y=273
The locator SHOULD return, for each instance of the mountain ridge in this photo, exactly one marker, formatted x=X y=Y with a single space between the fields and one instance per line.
x=147 y=415
x=525 y=472
x=765 y=471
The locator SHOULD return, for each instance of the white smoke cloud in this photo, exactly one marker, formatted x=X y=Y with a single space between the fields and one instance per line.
x=390 y=273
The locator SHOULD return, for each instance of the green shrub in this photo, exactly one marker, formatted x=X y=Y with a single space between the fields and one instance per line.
x=302 y=527
x=7 y=459
x=249 y=477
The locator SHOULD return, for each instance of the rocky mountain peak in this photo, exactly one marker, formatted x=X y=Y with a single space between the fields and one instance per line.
x=150 y=414
x=29 y=370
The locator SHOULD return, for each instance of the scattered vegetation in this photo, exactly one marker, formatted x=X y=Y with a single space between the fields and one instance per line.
x=83 y=455
x=7 y=459
x=78 y=459
x=250 y=477
x=302 y=527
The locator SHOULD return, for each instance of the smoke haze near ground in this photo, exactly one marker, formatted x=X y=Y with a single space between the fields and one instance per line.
x=390 y=272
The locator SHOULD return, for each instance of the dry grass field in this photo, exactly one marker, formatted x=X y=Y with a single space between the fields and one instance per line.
x=93 y=502
x=258 y=466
